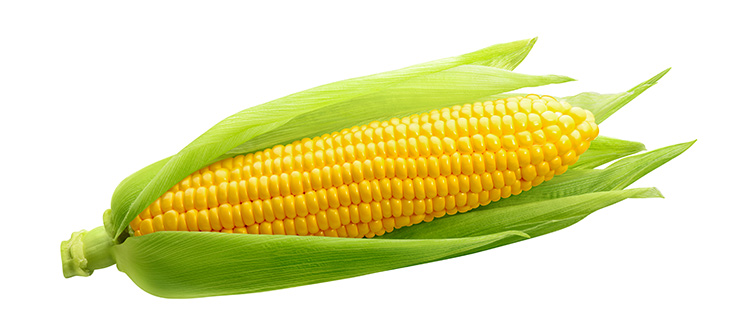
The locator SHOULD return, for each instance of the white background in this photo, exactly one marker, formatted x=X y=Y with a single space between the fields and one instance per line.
x=92 y=91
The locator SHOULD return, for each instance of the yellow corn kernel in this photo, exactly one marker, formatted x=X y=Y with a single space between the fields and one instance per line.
x=369 y=180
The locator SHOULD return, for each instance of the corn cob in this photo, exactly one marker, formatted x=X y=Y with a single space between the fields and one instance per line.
x=368 y=180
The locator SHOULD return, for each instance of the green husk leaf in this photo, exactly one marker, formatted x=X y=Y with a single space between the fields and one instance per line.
x=421 y=94
x=142 y=188
x=488 y=219
x=188 y=264
x=604 y=105
x=615 y=177
x=555 y=194
x=604 y=150
x=626 y=171
x=542 y=226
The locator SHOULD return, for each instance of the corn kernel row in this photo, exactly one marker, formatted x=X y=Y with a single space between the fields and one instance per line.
x=397 y=212
x=523 y=163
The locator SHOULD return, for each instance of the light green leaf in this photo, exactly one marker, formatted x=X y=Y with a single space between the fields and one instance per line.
x=189 y=264
x=635 y=167
x=564 y=193
x=433 y=91
x=615 y=177
x=544 y=226
x=604 y=150
x=604 y=105
x=192 y=264
x=488 y=219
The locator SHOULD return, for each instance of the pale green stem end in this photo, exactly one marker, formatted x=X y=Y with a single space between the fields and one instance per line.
x=86 y=251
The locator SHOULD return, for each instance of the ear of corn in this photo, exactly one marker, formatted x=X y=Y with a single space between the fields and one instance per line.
x=195 y=264
x=371 y=179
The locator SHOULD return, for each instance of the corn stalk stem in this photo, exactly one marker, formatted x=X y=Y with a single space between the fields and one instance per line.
x=86 y=251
